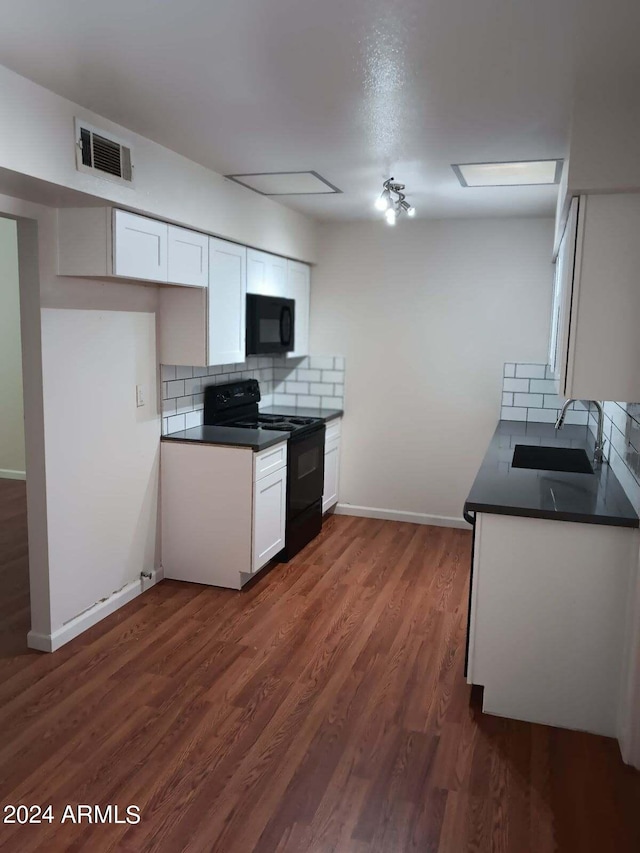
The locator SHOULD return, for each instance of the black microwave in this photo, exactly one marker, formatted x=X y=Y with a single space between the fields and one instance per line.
x=270 y=324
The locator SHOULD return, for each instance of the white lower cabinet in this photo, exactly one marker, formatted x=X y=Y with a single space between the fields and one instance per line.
x=222 y=518
x=547 y=619
x=331 y=465
x=269 y=517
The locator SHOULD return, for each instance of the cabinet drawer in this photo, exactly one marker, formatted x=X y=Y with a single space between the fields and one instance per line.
x=334 y=429
x=269 y=460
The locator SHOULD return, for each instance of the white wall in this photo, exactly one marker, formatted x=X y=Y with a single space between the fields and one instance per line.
x=79 y=412
x=38 y=140
x=102 y=454
x=426 y=314
x=12 y=462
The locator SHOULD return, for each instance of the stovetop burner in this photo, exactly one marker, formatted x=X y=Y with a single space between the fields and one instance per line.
x=273 y=422
x=236 y=405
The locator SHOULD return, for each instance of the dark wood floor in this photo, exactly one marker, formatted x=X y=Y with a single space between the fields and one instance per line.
x=322 y=709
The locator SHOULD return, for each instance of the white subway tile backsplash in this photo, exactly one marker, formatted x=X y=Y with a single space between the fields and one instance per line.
x=510 y=413
x=184 y=405
x=507 y=398
x=176 y=423
x=193 y=419
x=577 y=418
x=288 y=382
x=530 y=371
x=516 y=385
x=169 y=407
x=332 y=376
x=192 y=386
x=321 y=388
x=321 y=362
x=175 y=389
x=284 y=400
x=306 y=374
x=309 y=401
x=509 y=369
x=552 y=401
x=530 y=401
x=296 y=387
x=542 y=416
x=543 y=386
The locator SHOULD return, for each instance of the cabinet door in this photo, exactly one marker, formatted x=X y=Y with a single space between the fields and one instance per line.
x=566 y=292
x=331 y=474
x=188 y=257
x=266 y=274
x=299 y=288
x=269 y=517
x=227 y=302
x=139 y=247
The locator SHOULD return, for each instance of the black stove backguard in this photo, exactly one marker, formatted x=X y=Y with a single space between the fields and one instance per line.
x=233 y=401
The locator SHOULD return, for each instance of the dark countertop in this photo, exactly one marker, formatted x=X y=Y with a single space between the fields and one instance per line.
x=256 y=439
x=303 y=412
x=591 y=498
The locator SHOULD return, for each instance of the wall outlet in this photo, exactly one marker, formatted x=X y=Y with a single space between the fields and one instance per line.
x=140 y=395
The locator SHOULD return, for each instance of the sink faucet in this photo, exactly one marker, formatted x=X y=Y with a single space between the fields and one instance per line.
x=598 y=451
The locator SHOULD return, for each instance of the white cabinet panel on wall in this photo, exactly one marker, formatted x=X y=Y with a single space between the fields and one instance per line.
x=188 y=257
x=266 y=274
x=299 y=288
x=269 y=517
x=227 y=302
x=599 y=345
x=331 y=465
x=139 y=247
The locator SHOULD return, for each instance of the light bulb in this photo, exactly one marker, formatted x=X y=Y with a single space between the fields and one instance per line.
x=390 y=216
x=411 y=211
x=382 y=203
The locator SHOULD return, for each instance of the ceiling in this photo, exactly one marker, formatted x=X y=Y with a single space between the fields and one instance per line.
x=355 y=90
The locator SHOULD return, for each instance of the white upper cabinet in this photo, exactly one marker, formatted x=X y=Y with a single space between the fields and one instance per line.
x=599 y=346
x=227 y=302
x=103 y=242
x=266 y=274
x=299 y=288
x=188 y=257
x=139 y=247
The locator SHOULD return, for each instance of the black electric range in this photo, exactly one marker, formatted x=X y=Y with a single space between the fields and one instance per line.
x=236 y=405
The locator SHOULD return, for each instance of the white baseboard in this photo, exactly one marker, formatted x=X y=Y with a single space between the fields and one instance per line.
x=8 y=474
x=80 y=623
x=398 y=515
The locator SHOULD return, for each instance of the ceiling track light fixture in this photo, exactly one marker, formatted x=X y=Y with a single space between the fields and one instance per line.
x=392 y=208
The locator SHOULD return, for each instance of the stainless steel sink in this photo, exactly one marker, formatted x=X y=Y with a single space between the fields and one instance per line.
x=568 y=459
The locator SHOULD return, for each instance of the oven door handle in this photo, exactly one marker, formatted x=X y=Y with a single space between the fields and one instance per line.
x=286 y=326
